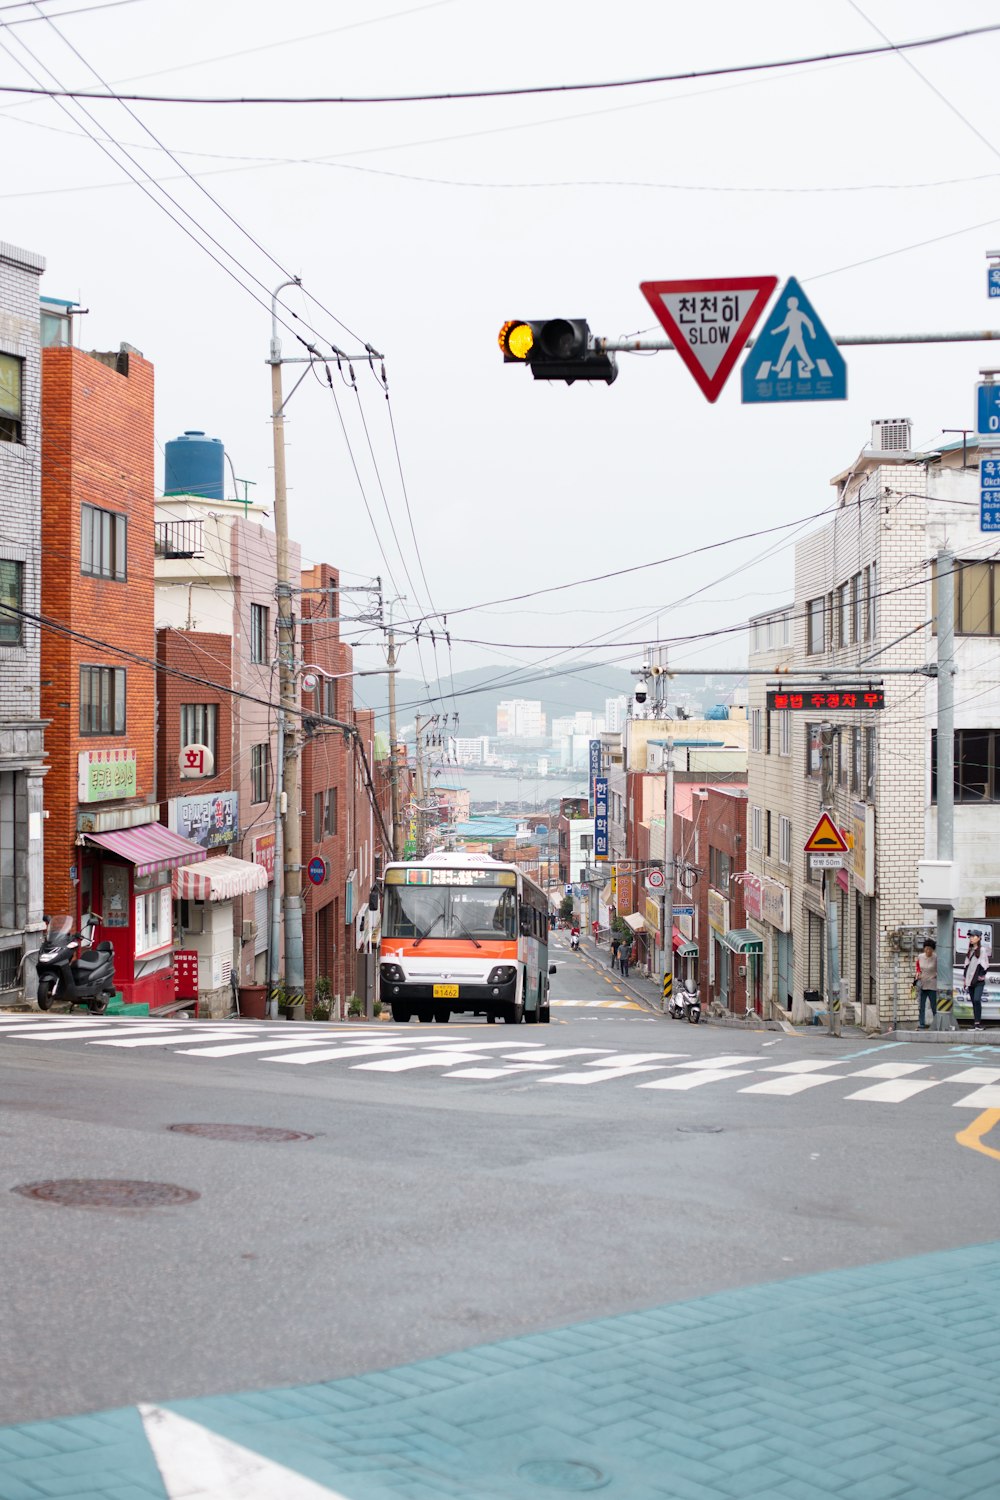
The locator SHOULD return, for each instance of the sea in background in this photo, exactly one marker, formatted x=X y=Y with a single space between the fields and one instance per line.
x=486 y=788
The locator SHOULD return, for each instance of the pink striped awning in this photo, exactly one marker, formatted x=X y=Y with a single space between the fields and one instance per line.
x=218 y=879
x=150 y=847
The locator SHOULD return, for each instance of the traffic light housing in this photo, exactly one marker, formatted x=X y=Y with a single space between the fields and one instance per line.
x=556 y=349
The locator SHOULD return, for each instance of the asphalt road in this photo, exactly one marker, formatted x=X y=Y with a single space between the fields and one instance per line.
x=443 y=1201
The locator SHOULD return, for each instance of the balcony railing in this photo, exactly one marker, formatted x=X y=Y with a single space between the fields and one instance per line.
x=179 y=539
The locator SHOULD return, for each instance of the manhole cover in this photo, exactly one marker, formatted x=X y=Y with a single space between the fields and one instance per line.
x=700 y=1129
x=242 y=1132
x=98 y=1192
x=562 y=1474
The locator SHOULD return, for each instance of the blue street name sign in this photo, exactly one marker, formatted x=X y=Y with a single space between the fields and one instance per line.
x=600 y=817
x=988 y=411
x=989 y=494
x=683 y=911
x=794 y=358
x=993 y=281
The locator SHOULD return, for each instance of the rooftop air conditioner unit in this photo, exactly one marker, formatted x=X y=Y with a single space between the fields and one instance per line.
x=892 y=436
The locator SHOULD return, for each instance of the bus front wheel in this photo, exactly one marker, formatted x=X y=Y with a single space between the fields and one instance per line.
x=514 y=1014
x=400 y=1013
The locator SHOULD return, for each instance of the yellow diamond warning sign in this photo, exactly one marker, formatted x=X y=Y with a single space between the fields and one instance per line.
x=826 y=838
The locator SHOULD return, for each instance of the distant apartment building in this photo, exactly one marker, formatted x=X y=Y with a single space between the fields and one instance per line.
x=22 y=730
x=468 y=750
x=521 y=719
x=615 y=711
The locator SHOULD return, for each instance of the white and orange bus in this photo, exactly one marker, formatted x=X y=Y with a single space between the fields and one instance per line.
x=464 y=932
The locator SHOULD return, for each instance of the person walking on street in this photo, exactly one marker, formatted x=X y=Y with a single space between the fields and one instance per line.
x=616 y=943
x=624 y=959
x=974 y=977
x=926 y=981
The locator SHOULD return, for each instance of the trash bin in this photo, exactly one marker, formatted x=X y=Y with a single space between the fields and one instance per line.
x=253 y=1001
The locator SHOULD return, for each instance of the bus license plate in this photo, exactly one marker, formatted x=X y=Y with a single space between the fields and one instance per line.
x=446 y=992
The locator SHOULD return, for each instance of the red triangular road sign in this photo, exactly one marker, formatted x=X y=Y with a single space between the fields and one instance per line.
x=826 y=838
x=710 y=321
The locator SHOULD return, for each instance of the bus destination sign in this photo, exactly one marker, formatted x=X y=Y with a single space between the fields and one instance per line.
x=812 y=700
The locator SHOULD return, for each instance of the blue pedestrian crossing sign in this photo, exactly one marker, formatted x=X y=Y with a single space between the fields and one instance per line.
x=794 y=358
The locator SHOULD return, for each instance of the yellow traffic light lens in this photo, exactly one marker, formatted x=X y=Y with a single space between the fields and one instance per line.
x=516 y=339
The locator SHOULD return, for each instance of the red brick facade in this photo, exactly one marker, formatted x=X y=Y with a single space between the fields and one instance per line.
x=209 y=657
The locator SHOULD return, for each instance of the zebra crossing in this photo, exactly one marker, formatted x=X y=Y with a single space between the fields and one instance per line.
x=468 y=1054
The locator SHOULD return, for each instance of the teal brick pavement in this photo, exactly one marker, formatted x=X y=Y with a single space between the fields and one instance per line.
x=880 y=1383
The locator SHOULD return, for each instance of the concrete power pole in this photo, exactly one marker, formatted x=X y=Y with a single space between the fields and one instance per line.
x=669 y=872
x=397 y=827
x=288 y=738
x=944 y=1019
x=830 y=892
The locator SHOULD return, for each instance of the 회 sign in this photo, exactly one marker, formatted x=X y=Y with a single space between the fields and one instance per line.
x=195 y=762
x=812 y=699
x=709 y=322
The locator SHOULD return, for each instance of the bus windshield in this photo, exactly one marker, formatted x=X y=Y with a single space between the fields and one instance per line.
x=440 y=911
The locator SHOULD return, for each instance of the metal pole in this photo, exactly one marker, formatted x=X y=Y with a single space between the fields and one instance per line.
x=973 y=336
x=397 y=829
x=277 y=893
x=944 y=1019
x=668 y=872
x=830 y=894
x=292 y=867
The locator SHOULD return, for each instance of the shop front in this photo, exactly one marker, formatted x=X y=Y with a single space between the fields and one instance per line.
x=125 y=883
x=205 y=892
x=744 y=950
x=685 y=961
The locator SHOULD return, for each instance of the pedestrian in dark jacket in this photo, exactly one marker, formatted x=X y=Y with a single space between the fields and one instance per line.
x=616 y=943
x=624 y=959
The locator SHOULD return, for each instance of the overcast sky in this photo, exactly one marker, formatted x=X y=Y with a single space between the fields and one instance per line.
x=423 y=226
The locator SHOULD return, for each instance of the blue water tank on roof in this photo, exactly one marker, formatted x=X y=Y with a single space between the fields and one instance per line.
x=720 y=711
x=194 y=465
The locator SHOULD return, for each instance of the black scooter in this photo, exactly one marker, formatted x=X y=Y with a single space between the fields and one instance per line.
x=69 y=968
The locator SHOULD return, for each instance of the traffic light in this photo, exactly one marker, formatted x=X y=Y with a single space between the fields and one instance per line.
x=557 y=349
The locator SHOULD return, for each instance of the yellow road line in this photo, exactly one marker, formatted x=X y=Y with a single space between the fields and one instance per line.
x=972 y=1135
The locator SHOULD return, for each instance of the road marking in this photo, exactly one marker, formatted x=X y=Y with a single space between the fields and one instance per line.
x=972 y=1135
x=82 y=1033
x=196 y=1464
x=621 y=1059
x=217 y=1035
x=986 y=1098
x=890 y=1070
x=239 y=1049
x=604 y=1074
x=792 y=1083
x=599 y=1004
x=358 y=1049
x=895 y=1090
x=406 y=1064
x=803 y=1066
x=716 y=1062
x=499 y=1072
x=976 y=1075
x=695 y=1080
x=560 y=1052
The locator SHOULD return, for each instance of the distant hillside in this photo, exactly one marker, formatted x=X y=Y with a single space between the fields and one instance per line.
x=478 y=691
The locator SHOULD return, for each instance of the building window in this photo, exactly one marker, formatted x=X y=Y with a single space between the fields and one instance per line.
x=11 y=371
x=756 y=736
x=317 y=817
x=843 y=611
x=331 y=697
x=720 y=868
x=330 y=812
x=103 y=543
x=767 y=731
x=260 y=773
x=784 y=840
x=977 y=765
x=198 y=725
x=757 y=829
x=871 y=762
x=11 y=600
x=259 y=615
x=102 y=700
x=855 y=760
x=841 y=762
x=767 y=833
x=857 y=602
x=784 y=732
x=814 y=750
x=816 y=626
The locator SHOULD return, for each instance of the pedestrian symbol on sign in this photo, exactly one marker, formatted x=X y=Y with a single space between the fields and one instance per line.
x=794 y=359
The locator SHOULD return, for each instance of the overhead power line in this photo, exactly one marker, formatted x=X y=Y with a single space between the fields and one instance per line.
x=520 y=91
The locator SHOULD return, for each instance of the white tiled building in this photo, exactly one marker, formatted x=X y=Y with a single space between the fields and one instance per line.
x=864 y=603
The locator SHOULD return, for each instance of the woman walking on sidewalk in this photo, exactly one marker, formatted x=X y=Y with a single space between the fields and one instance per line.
x=974 y=977
x=927 y=983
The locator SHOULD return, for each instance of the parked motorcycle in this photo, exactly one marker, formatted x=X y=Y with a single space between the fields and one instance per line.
x=684 y=1005
x=70 y=968
x=574 y=941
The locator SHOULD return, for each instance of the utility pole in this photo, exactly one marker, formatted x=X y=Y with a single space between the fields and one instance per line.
x=830 y=891
x=419 y=726
x=944 y=1019
x=397 y=827
x=288 y=739
x=668 y=872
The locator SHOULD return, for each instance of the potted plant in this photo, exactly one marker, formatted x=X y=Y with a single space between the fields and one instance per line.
x=355 y=1007
x=322 y=991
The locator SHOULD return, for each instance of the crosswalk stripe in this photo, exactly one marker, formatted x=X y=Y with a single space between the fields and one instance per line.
x=803 y=1066
x=603 y=1074
x=895 y=1090
x=890 y=1070
x=792 y=1083
x=561 y=1052
x=984 y=1098
x=621 y=1059
x=82 y=1033
x=407 y=1064
x=499 y=1072
x=715 y=1062
x=239 y=1049
x=326 y=1054
x=697 y=1079
x=161 y=1040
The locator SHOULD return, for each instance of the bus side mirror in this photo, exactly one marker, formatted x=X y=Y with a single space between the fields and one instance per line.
x=552 y=969
x=373 y=898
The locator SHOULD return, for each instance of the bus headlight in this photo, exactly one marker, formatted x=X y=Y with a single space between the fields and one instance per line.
x=392 y=973
x=502 y=974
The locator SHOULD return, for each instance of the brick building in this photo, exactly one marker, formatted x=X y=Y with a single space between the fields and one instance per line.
x=22 y=729
x=105 y=851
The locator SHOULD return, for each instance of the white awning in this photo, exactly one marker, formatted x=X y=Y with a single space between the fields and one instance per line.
x=219 y=879
x=636 y=922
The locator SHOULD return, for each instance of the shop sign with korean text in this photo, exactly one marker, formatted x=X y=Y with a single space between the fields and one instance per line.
x=718 y=912
x=104 y=775
x=651 y=915
x=600 y=817
x=263 y=852
x=813 y=700
x=195 y=762
x=863 y=853
x=211 y=820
